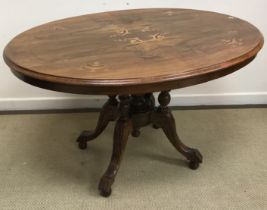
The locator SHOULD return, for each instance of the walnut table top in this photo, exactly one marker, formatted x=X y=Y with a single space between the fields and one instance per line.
x=132 y=51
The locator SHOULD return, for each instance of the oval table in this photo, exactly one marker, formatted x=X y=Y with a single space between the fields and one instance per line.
x=128 y=55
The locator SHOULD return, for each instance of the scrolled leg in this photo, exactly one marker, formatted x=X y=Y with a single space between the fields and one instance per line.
x=164 y=119
x=108 y=113
x=122 y=130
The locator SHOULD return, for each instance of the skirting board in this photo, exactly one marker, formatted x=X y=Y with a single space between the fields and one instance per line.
x=52 y=103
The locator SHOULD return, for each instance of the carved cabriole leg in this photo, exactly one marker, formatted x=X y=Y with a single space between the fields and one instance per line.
x=122 y=130
x=164 y=119
x=108 y=113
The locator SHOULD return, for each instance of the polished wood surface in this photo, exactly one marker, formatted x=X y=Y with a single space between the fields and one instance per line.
x=128 y=55
x=132 y=51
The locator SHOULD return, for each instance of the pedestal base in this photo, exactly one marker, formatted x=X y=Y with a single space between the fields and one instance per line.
x=131 y=113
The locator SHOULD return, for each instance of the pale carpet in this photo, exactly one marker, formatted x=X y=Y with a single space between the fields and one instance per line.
x=42 y=168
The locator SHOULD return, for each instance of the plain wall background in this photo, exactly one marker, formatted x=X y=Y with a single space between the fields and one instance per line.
x=247 y=86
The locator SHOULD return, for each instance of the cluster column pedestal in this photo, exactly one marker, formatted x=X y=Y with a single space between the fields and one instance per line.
x=131 y=113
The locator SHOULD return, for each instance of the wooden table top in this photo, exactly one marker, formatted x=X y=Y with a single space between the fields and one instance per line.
x=132 y=51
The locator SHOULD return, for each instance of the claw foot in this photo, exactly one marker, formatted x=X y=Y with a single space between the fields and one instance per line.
x=195 y=158
x=136 y=133
x=105 y=186
x=82 y=144
x=82 y=139
x=155 y=126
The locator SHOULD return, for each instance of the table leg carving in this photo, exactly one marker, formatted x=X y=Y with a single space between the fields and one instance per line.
x=122 y=130
x=108 y=113
x=164 y=119
x=131 y=114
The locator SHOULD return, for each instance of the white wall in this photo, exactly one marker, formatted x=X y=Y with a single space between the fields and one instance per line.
x=247 y=86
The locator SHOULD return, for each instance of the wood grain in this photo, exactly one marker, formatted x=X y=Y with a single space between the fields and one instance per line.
x=132 y=51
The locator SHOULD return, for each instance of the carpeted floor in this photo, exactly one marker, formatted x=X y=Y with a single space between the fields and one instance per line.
x=42 y=168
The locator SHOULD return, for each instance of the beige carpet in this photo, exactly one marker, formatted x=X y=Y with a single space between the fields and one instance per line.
x=42 y=168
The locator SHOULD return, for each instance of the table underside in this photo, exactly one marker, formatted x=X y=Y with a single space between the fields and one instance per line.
x=132 y=112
